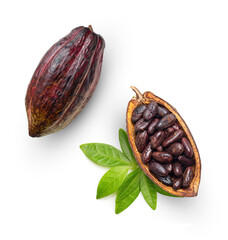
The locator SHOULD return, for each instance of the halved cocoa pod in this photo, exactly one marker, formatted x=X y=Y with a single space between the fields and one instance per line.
x=64 y=81
x=167 y=119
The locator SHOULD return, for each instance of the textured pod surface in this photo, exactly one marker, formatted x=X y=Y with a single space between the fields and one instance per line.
x=64 y=81
x=146 y=98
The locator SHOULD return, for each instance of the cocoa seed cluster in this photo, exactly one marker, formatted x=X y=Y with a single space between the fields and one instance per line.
x=163 y=145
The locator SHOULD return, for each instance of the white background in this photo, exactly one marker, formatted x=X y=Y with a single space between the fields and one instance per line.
x=176 y=49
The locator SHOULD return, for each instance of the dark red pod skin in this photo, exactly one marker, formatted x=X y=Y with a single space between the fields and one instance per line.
x=64 y=81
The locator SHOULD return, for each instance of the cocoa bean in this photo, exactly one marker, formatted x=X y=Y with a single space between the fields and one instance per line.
x=141 y=140
x=160 y=148
x=150 y=111
x=185 y=162
x=165 y=180
x=169 y=131
x=158 y=169
x=188 y=150
x=176 y=149
x=177 y=169
x=175 y=126
x=162 y=157
x=141 y=125
x=152 y=126
x=157 y=139
x=138 y=113
x=173 y=138
x=187 y=177
x=147 y=153
x=169 y=167
x=177 y=182
x=162 y=111
x=167 y=121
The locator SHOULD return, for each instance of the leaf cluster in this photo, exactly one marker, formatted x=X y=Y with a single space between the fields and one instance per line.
x=125 y=177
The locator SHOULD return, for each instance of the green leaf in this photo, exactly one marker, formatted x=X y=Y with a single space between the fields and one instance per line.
x=111 y=181
x=128 y=191
x=125 y=146
x=104 y=154
x=147 y=190
x=158 y=189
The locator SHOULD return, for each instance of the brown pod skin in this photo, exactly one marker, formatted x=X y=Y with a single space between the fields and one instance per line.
x=185 y=162
x=158 y=169
x=138 y=113
x=188 y=151
x=152 y=127
x=162 y=157
x=146 y=98
x=176 y=149
x=187 y=177
x=147 y=153
x=157 y=139
x=64 y=81
x=173 y=138
x=141 y=140
x=150 y=111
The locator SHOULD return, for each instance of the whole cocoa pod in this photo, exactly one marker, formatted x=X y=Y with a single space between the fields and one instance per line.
x=166 y=150
x=64 y=81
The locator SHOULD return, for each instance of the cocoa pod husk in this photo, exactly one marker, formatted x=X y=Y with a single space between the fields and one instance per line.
x=146 y=98
x=64 y=81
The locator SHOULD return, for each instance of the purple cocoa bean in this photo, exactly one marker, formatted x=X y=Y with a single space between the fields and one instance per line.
x=162 y=112
x=152 y=127
x=177 y=169
x=169 y=167
x=147 y=153
x=141 y=125
x=160 y=148
x=185 y=162
x=173 y=138
x=187 y=177
x=165 y=180
x=138 y=113
x=150 y=111
x=175 y=126
x=141 y=140
x=162 y=157
x=176 y=149
x=169 y=131
x=188 y=150
x=177 y=182
x=167 y=121
x=158 y=169
x=157 y=139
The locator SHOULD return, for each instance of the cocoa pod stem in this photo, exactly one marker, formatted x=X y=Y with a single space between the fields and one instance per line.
x=90 y=27
x=138 y=93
